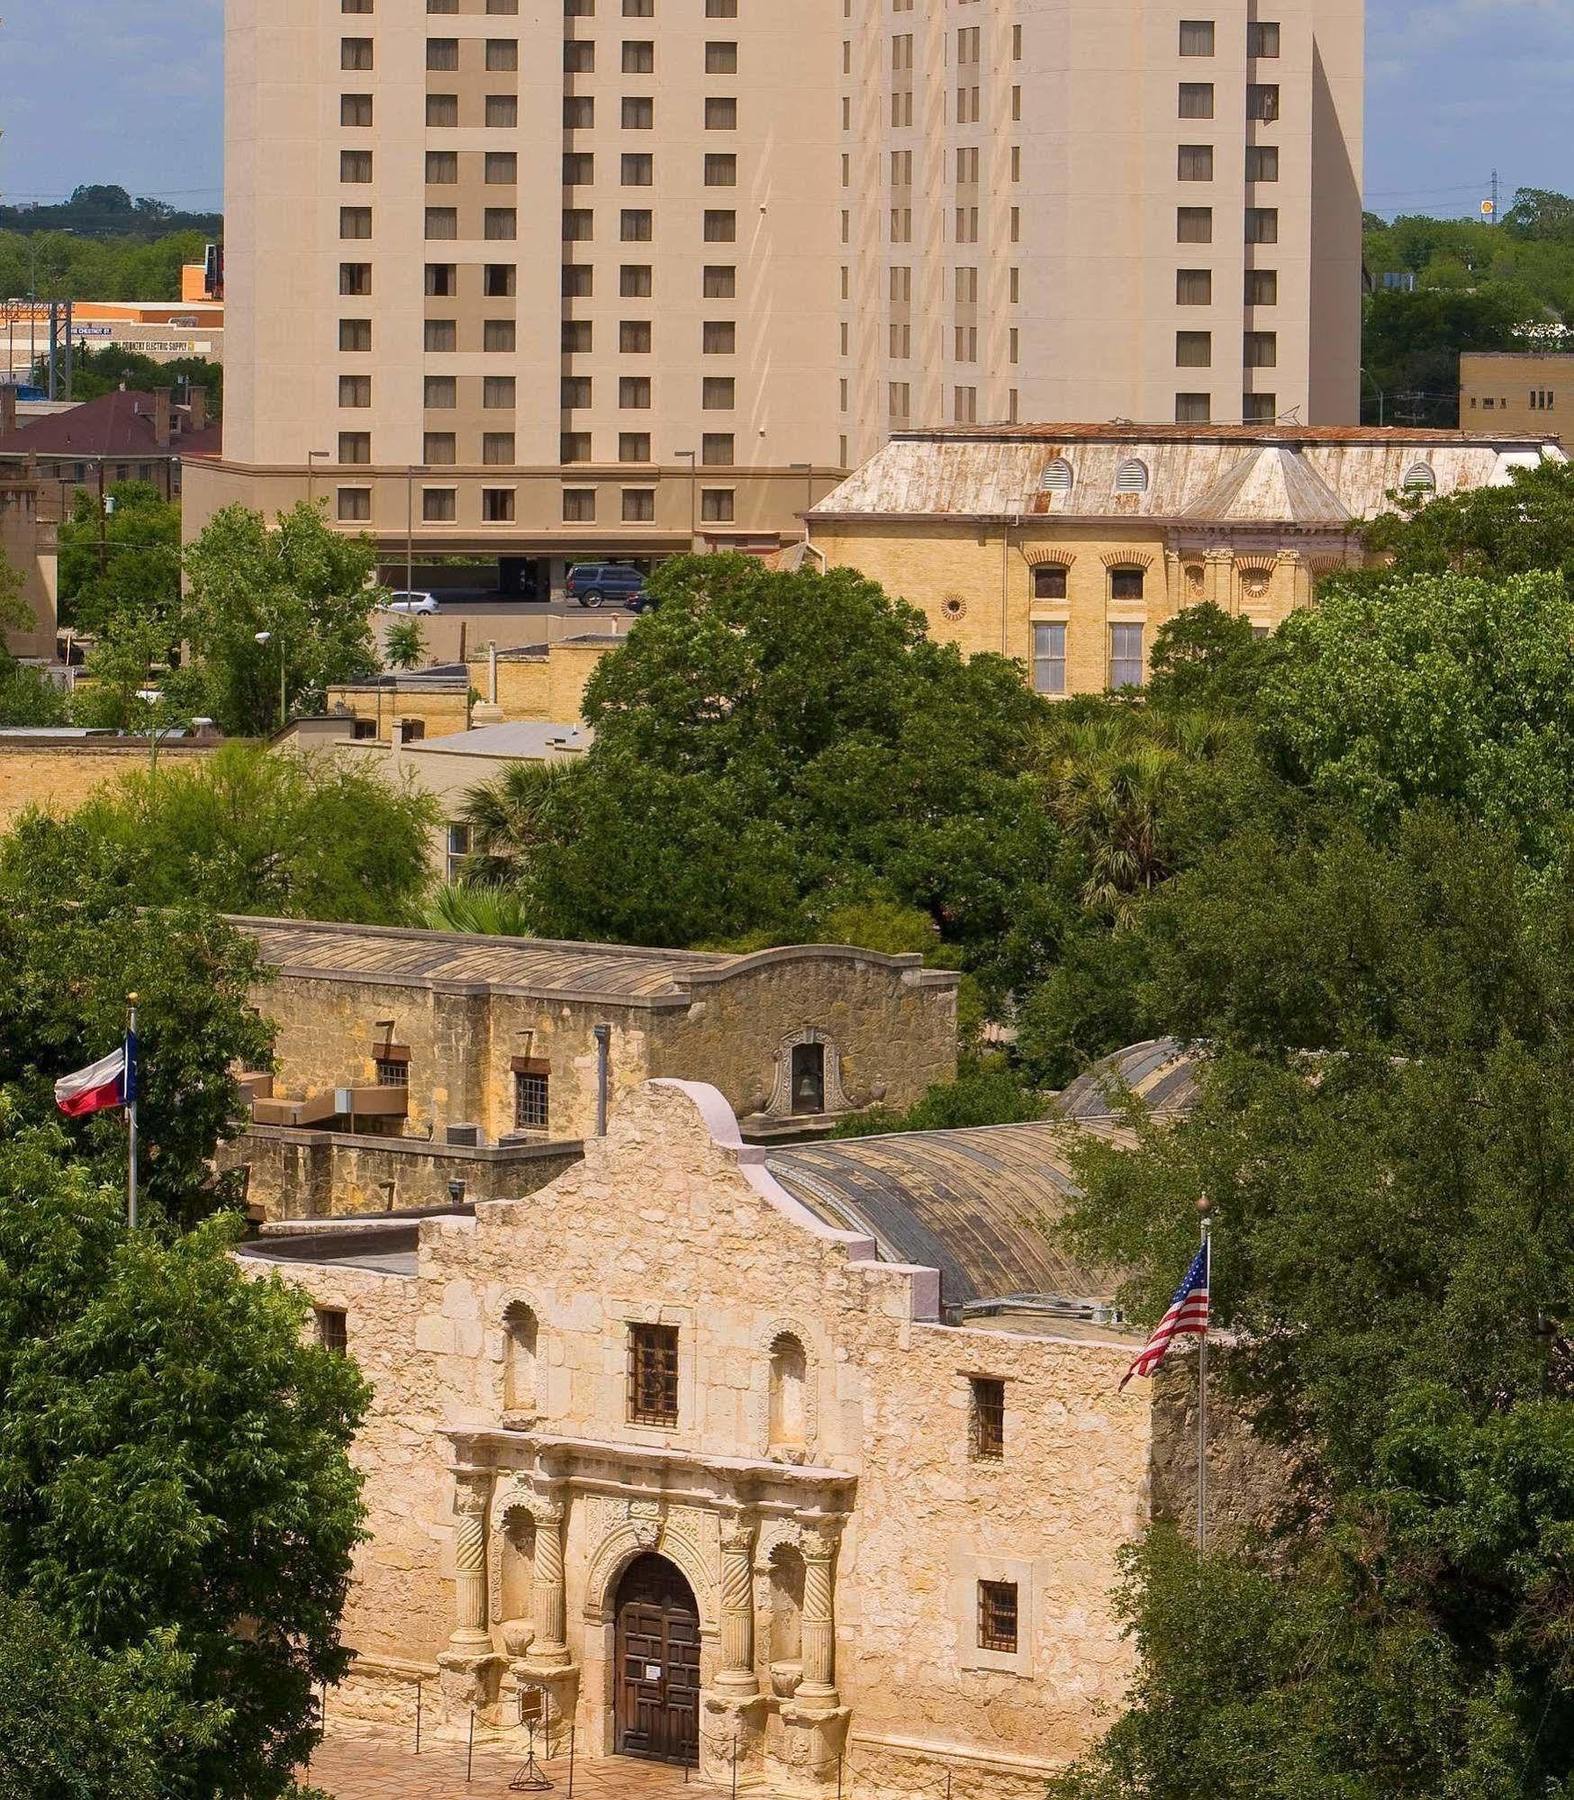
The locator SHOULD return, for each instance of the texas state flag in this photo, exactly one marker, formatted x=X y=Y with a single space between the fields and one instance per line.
x=111 y=1082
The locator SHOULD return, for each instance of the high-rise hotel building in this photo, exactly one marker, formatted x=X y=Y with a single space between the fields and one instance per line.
x=611 y=277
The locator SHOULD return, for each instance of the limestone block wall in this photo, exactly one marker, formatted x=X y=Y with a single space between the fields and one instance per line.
x=661 y=1224
x=550 y=687
x=461 y=1045
x=893 y=1028
x=312 y=1175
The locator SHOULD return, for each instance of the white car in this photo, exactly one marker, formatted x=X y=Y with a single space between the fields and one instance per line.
x=410 y=603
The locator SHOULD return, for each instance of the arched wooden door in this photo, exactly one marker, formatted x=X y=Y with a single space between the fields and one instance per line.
x=658 y=1663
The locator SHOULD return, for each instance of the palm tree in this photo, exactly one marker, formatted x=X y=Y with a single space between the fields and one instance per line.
x=477 y=907
x=513 y=815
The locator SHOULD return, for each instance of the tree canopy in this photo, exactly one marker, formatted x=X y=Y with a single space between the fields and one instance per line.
x=123 y=559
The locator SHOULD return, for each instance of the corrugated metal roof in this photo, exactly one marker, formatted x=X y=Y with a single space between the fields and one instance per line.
x=1318 y=479
x=1160 y=1073
x=973 y=1204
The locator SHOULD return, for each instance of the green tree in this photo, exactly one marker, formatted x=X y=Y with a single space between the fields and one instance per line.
x=1385 y=1129
x=127 y=559
x=1518 y=528
x=269 y=833
x=99 y=372
x=76 y=935
x=1452 y=687
x=126 y=683
x=404 y=644
x=1206 y=660
x=1412 y=344
x=478 y=907
x=176 y=1493
x=29 y=697
x=310 y=589
x=987 y=1091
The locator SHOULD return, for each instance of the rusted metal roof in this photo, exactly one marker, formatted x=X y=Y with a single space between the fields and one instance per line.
x=1161 y=1073
x=539 y=967
x=1318 y=479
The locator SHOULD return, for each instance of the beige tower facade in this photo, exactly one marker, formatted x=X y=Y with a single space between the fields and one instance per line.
x=564 y=278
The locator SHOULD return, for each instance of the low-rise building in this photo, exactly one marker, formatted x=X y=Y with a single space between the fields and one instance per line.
x=810 y=1465
x=1504 y=391
x=1069 y=546
x=59 y=768
x=390 y=1042
x=126 y=435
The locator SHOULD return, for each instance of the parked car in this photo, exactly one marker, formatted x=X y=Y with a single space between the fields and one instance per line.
x=594 y=584
x=403 y=602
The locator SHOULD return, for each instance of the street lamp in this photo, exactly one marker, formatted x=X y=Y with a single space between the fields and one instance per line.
x=265 y=638
x=694 y=525
x=806 y=470
x=312 y=459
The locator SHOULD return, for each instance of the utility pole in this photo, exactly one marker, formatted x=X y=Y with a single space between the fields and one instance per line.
x=1497 y=199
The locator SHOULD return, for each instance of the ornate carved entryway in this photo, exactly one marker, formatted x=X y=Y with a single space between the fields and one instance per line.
x=658 y=1663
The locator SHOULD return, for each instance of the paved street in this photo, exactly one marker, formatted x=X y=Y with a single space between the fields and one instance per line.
x=368 y=1764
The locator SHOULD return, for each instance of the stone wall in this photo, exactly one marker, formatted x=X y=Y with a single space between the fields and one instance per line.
x=547 y=685
x=893 y=1028
x=59 y=776
x=974 y=582
x=663 y=1223
x=316 y=1174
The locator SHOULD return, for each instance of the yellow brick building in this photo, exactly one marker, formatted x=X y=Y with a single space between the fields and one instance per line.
x=1069 y=546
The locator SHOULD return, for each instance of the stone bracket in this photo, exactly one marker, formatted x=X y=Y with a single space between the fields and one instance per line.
x=731 y=1724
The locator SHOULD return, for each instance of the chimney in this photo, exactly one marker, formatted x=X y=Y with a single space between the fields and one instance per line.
x=7 y=410
x=197 y=408
x=161 y=418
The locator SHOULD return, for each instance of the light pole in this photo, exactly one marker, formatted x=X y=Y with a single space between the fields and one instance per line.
x=689 y=456
x=1381 y=396
x=409 y=530
x=806 y=470
x=265 y=638
x=313 y=457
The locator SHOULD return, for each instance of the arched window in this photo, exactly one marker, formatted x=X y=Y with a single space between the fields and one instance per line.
x=1056 y=478
x=789 y=1392
x=519 y=1359
x=786 y=1604
x=1420 y=478
x=1131 y=477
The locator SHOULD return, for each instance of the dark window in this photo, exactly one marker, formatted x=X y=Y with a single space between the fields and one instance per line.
x=393 y=1071
x=653 y=1374
x=1125 y=584
x=997 y=1616
x=1049 y=582
x=333 y=1331
x=989 y=1421
x=530 y=1102
x=808 y=1078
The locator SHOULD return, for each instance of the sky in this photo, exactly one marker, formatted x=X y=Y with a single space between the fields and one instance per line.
x=130 y=92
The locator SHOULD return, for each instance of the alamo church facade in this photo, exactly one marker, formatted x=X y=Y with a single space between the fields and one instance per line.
x=810 y=1457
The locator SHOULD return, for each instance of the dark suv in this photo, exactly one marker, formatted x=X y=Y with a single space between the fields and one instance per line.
x=594 y=584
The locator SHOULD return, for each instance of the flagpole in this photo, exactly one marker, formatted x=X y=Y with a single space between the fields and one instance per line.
x=1204 y=1207
x=131 y=1078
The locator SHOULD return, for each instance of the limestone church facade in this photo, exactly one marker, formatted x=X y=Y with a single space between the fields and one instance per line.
x=811 y=1459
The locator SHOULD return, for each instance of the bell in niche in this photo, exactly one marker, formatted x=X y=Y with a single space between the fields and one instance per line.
x=808 y=1078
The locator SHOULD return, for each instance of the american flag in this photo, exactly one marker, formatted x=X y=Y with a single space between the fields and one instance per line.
x=1187 y=1317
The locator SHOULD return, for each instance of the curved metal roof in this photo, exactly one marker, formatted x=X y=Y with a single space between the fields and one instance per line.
x=1161 y=1073
x=973 y=1204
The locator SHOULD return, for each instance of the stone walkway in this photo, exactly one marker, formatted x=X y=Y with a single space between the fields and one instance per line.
x=367 y=1764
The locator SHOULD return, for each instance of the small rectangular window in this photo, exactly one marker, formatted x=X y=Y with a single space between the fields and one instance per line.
x=1262 y=287
x=497 y=392
x=441 y=335
x=502 y=110
x=997 y=1616
x=333 y=1330
x=355 y=390
x=1262 y=162
x=1194 y=162
x=442 y=280
x=497 y=506
x=1049 y=657
x=1194 y=224
x=639 y=56
x=653 y=1374
x=721 y=169
x=1262 y=38
x=440 y=393
x=721 y=59
x=355 y=278
x=442 y=222
x=497 y=448
x=1261 y=350
x=355 y=334
x=1193 y=409
x=717 y=449
x=355 y=53
x=574 y=392
x=355 y=505
x=718 y=393
x=579 y=224
x=1261 y=409
x=638 y=168
x=1196 y=37
x=1196 y=100
x=633 y=446
x=634 y=281
x=634 y=393
x=498 y=334
x=634 y=337
x=578 y=337
x=579 y=56
x=638 y=113
x=1125 y=655
x=720 y=281
x=1194 y=287
x=988 y=1412
x=355 y=446
x=579 y=168
x=1194 y=349
x=499 y=224
x=636 y=225
x=579 y=506
x=442 y=54
x=439 y=449
x=355 y=109
x=721 y=227
x=1262 y=225
x=502 y=56
x=721 y=115
x=499 y=281
x=531 y=1110
x=442 y=111
x=355 y=221
x=1262 y=102
x=579 y=281
x=501 y=168
x=639 y=506
x=718 y=337
x=438 y=505
x=458 y=848
x=716 y=506
x=573 y=447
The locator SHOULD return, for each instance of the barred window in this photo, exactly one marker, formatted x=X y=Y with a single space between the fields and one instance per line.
x=333 y=1330
x=393 y=1069
x=653 y=1374
x=997 y=1616
x=530 y=1100
x=988 y=1416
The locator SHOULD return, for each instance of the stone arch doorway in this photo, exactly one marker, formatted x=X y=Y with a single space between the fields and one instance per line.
x=656 y=1684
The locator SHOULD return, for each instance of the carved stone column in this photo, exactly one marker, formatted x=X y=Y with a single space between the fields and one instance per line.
x=549 y=1596
x=473 y=1489
x=736 y=1675
x=818 y=1688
